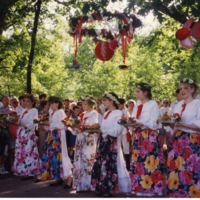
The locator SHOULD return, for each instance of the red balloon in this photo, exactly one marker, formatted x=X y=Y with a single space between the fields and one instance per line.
x=103 y=51
x=196 y=30
x=182 y=33
x=113 y=45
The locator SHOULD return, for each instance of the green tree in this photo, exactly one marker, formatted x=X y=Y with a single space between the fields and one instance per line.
x=178 y=10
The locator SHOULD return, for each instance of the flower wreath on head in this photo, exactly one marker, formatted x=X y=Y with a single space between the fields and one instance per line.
x=110 y=96
x=141 y=85
x=89 y=99
x=189 y=81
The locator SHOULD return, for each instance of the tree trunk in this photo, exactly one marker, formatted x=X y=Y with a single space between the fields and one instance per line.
x=33 y=42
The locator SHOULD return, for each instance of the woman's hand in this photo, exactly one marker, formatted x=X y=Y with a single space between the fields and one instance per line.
x=179 y=124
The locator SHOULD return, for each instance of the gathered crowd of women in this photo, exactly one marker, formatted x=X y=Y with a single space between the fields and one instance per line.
x=148 y=159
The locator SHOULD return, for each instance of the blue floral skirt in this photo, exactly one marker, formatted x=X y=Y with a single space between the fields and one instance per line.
x=104 y=173
x=148 y=163
x=183 y=177
x=52 y=156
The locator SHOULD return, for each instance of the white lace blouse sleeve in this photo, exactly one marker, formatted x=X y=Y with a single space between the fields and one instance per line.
x=33 y=114
x=197 y=115
x=114 y=129
x=151 y=121
x=94 y=118
x=56 y=121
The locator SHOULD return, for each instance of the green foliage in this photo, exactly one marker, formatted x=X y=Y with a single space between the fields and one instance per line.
x=178 y=10
x=157 y=59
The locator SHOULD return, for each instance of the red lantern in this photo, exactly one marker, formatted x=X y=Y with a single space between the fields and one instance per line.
x=113 y=45
x=182 y=33
x=196 y=30
x=103 y=51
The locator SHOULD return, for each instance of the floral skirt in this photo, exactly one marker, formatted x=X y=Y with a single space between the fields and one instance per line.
x=104 y=173
x=183 y=177
x=148 y=163
x=52 y=157
x=84 y=157
x=26 y=162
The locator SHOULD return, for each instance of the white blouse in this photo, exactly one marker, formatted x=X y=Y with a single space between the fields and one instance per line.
x=110 y=126
x=191 y=114
x=89 y=118
x=56 y=118
x=28 y=118
x=92 y=118
x=149 y=115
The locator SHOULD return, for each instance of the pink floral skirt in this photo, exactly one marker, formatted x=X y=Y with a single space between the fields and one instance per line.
x=147 y=163
x=26 y=162
x=183 y=177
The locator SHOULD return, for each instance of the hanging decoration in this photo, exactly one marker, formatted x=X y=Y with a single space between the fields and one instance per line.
x=75 y=65
x=116 y=35
x=123 y=67
x=103 y=51
x=190 y=28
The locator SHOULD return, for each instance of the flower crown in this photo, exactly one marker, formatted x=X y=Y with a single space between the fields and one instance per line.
x=110 y=96
x=189 y=81
x=89 y=99
x=142 y=85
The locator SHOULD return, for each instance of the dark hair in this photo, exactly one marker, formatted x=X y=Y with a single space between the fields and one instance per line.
x=54 y=99
x=145 y=88
x=42 y=96
x=122 y=101
x=43 y=103
x=21 y=97
x=79 y=103
x=116 y=104
x=177 y=91
x=191 y=83
x=75 y=107
x=32 y=98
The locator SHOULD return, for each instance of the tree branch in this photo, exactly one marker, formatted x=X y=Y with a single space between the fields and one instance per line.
x=175 y=15
x=65 y=3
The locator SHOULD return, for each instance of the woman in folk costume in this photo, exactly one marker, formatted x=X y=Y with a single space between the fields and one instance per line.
x=109 y=174
x=183 y=178
x=26 y=163
x=147 y=161
x=85 y=147
x=55 y=160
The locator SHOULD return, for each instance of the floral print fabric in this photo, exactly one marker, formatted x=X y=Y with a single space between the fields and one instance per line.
x=104 y=173
x=26 y=161
x=52 y=157
x=184 y=165
x=147 y=163
x=84 y=157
